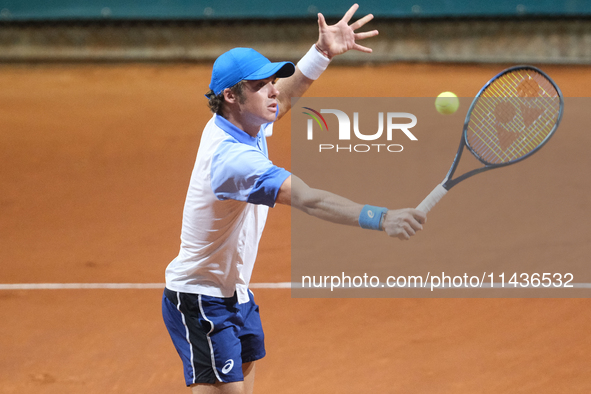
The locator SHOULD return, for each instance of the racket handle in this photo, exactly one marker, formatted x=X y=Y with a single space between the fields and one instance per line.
x=432 y=199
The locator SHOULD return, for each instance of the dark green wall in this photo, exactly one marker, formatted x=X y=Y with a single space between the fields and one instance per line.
x=21 y=10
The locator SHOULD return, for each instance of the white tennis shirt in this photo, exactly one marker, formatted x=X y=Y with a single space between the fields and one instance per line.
x=232 y=186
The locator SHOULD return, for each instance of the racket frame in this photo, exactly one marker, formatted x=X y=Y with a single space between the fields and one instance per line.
x=448 y=183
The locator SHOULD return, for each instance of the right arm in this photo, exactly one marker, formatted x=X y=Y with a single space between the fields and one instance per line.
x=402 y=223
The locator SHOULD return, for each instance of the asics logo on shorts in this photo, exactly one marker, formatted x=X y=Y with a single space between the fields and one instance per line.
x=228 y=366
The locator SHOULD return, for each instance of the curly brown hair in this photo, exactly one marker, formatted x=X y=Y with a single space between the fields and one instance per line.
x=216 y=101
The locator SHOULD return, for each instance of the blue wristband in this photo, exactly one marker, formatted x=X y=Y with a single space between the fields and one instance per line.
x=371 y=217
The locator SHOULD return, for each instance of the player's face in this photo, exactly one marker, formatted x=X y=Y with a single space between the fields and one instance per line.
x=260 y=104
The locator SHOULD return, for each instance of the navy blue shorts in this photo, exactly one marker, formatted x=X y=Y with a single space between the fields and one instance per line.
x=213 y=336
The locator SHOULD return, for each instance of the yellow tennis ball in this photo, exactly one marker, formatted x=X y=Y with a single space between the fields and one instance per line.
x=447 y=103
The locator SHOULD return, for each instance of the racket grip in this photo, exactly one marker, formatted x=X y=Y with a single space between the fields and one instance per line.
x=432 y=199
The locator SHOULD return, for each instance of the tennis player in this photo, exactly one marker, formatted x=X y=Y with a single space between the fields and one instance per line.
x=208 y=309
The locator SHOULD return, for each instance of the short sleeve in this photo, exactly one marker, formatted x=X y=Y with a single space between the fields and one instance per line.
x=240 y=172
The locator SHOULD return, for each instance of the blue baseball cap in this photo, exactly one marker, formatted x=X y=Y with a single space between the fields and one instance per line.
x=245 y=64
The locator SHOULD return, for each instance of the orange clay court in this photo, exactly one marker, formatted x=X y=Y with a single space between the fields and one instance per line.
x=95 y=162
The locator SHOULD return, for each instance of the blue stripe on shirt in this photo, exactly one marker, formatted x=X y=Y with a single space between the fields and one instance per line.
x=267 y=187
x=243 y=173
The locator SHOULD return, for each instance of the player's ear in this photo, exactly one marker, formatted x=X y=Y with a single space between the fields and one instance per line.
x=230 y=96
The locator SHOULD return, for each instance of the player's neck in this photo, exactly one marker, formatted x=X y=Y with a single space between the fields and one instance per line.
x=242 y=123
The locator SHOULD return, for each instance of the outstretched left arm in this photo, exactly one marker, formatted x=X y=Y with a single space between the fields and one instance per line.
x=399 y=223
x=333 y=40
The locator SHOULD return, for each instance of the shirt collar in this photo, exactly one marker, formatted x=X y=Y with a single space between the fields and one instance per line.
x=240 y=135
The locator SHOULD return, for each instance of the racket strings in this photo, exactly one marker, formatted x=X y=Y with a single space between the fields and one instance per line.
x=513 y=116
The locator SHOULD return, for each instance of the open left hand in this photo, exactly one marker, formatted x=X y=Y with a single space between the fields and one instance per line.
x=341 y=37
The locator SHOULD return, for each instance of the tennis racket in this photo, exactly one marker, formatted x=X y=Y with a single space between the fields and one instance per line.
x=510 y=119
